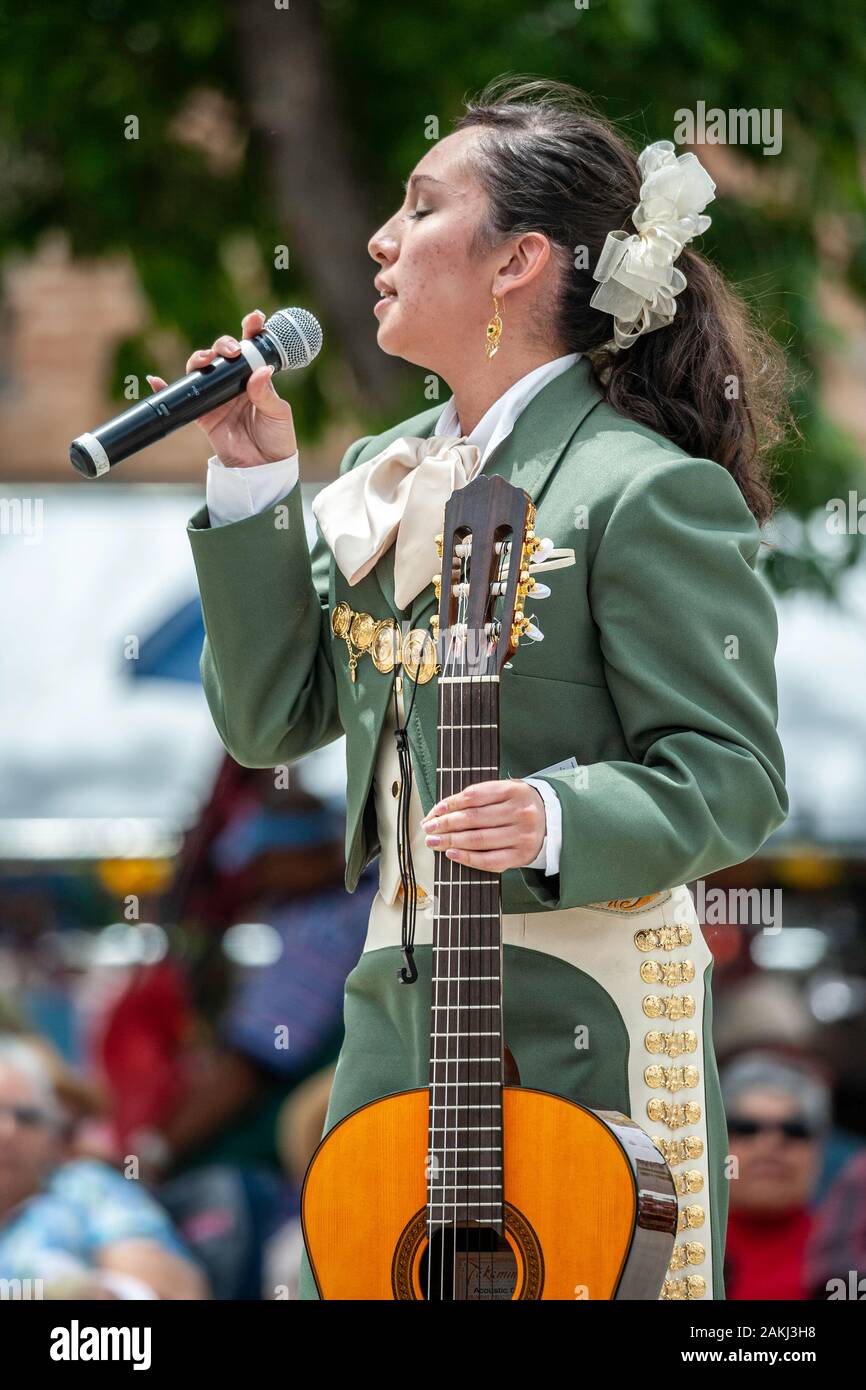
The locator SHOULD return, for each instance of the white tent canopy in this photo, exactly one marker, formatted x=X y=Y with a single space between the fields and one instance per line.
x=90 y=757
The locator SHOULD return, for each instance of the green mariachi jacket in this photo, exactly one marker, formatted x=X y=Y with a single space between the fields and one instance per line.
x=656 y=670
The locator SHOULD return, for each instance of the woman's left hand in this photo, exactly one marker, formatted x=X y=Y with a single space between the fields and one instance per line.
x=491 y=825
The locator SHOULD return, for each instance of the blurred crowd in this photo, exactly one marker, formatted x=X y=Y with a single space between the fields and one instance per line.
x=162 y=1154
x=154 y=1145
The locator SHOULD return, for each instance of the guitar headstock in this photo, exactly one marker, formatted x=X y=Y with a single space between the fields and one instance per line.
x=486 y=549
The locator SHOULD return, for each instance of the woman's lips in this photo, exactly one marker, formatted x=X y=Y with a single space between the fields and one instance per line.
x=386 y=299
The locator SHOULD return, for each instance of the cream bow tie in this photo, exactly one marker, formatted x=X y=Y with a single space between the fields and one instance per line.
x=401 y=493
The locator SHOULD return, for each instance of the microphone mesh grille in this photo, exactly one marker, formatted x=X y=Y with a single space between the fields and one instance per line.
x=298 y=332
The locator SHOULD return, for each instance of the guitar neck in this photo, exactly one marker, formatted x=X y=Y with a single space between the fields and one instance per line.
x=466 y=1036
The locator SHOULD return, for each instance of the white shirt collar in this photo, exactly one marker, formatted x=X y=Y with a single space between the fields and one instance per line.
x=498 y=422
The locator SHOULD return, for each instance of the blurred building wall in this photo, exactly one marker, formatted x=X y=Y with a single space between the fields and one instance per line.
x=61 y=323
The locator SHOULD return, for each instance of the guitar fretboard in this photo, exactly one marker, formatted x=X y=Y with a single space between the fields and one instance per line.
x=466 y=1043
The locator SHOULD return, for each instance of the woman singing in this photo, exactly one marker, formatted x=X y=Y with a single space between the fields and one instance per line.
x=541 y=270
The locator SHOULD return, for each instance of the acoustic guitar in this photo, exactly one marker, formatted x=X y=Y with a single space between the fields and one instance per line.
x=476 y=1188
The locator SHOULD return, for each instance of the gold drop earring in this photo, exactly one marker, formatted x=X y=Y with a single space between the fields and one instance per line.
x=494 y=331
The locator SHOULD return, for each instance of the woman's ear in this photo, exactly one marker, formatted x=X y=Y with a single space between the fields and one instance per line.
x=530 y=254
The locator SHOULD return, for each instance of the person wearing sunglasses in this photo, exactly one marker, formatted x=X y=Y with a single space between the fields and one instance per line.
x=778 y=1115
x=74 y=1227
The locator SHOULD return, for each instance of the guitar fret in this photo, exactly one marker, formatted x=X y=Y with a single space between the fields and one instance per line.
x=480 y=1149
x=445 y=1210
x=470 y=1168
x=466 y=948
x=440 y=1085
x=450 y=1209
x=465 y=1061
x=461 y=979
x=479 y=1105
x=475 y=916
x=468 y=724
x=470 y=767
x=473 y=1187
x=485 y=1033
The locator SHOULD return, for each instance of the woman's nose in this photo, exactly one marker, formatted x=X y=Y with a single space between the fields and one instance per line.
x=382 y=246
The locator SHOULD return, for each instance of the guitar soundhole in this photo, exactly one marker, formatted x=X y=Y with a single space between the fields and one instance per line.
x=468 y=1263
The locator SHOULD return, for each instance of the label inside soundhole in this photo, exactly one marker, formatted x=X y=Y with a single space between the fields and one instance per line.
x=487 y=1277
x=470 y=1263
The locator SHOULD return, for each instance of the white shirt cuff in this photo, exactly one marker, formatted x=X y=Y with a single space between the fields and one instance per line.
x=233 y=494
x=547 y=858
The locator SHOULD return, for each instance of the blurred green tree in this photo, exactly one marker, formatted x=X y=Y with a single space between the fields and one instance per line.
x=268 y=124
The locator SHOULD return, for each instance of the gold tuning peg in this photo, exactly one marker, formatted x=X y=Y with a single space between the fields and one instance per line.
x=526 y=583
x=439 y=541
x=437 y=584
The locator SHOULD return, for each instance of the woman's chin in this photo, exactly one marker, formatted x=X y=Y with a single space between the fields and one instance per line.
x=388 y=334
x=398 y=344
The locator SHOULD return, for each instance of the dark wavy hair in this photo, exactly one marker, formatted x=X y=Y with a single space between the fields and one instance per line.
x=549 y=162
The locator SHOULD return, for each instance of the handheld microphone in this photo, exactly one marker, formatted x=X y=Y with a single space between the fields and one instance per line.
x=290 y=338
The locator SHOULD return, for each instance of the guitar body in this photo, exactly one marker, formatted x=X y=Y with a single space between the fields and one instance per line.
x=589 y=1203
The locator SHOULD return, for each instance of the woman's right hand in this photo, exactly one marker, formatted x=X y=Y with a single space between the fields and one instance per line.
x=255 y=427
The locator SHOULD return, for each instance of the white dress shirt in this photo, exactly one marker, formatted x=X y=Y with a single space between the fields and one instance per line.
x=236 y=493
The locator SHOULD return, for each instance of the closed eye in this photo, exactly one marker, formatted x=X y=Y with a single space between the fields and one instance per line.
x=421 y=212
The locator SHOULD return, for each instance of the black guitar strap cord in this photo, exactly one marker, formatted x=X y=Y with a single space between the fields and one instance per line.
x=407 y=973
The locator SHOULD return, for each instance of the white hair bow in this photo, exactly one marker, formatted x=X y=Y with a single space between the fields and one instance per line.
x=639 y=281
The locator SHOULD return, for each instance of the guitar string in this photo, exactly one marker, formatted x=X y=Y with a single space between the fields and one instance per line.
x=505 y=558
x=496 y=934
x=455 y=978
x=440 y=883
x=484 y=758
x=454 y=895
x=474 y=689
x=452 y=1032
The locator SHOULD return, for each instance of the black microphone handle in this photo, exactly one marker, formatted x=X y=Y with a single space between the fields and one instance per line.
x=170 y=409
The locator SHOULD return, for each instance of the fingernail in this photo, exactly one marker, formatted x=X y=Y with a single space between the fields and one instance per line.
x=434 y=839
x=234 y=345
